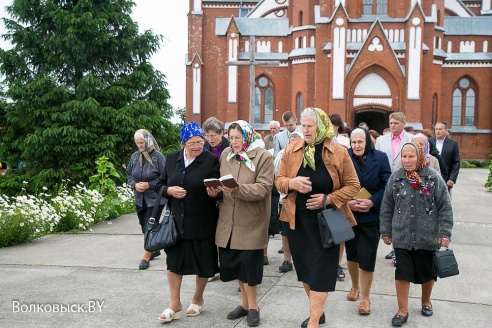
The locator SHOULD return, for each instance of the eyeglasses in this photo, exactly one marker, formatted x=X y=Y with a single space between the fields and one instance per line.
x=211 y=136
x=194 y=144
x=236 y=138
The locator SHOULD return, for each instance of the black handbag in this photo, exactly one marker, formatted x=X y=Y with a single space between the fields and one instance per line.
x=333 y=226
x=445 y=263
x=164 y=234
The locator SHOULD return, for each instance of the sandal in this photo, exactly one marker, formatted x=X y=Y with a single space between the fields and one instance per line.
x=341 y=274
x=364 y=307
x=198 y=309
x=169 y=315
x=353 y=295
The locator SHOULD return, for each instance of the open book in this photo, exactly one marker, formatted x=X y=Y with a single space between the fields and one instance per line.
x=226 y=181
x=363 y=194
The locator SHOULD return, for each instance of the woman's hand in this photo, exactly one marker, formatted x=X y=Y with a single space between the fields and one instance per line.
x=141 y=186
x=176 y=192
x=443 y=242
x=316 y=202
x=364 y=205
x=225 y=189
x=300 y=184
x=354 y=205
x=387 y=240
x=213 y=192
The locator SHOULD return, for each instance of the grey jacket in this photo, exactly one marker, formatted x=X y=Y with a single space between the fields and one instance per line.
x=414 y=220
x=146 y=173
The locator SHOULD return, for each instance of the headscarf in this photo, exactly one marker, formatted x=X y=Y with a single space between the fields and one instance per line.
x=190 y=129
x=324 y=129
x=369 y=146
x=426 y=149
x=150 y=145
x=252 y=140
x=413 y=177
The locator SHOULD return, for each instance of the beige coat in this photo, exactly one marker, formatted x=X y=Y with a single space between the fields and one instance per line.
x=340 y=167
x=244 y=214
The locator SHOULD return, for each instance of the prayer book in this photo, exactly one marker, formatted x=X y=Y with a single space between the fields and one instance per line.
x=363 y=194
x=226 y=181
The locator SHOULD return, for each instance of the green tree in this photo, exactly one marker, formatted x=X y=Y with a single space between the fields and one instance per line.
x=81 y=82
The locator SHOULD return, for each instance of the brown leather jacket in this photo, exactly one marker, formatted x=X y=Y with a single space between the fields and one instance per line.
x=338 y=163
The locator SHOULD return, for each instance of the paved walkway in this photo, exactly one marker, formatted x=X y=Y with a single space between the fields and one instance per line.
x=78 y=270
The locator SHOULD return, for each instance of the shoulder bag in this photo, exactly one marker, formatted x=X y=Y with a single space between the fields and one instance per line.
x=333 y=226
x=445 y=263
x=164 y=234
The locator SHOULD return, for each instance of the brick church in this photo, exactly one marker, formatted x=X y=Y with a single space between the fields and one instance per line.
x=363 y=59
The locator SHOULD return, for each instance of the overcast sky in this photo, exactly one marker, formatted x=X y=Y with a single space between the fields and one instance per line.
x=165 y=17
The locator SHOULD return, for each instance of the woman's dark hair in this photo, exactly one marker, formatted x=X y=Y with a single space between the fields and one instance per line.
x=336 y=120
x=234 y=126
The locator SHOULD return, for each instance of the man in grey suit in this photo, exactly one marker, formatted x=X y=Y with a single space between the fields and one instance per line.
x=391 y=143
x=449 y=151
x=281 y=139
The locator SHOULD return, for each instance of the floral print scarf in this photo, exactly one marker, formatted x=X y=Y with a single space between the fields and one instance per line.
x=413 y=177
x=150 y=145
x=251 y=140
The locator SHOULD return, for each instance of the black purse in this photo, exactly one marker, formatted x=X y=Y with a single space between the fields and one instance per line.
x=164 y=234
x=445 y=263
x=333 y=226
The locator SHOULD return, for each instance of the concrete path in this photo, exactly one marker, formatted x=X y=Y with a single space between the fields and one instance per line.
x=85 y=270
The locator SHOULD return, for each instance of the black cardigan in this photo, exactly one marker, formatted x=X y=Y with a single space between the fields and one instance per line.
x=196 y=214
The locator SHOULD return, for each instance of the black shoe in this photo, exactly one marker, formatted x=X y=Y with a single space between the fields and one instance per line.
x=265 y=260
x=153 y=255
x=285 y=267
x=390 y=255
x=340 y=273
x=427 y=310
x=321 y=321
x=398 y=320
x=238 y=312
x=143 y=265
x=281 y=251
x=253 y=318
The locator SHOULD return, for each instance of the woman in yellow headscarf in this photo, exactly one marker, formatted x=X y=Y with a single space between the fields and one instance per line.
x=311 y=168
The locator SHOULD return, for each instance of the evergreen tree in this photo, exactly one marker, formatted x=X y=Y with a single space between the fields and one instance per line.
x=80 y=81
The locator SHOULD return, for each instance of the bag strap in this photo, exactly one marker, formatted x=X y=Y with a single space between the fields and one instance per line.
x=324 y=201
x=156 y=208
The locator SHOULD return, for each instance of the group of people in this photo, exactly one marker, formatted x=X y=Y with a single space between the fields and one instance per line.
x=225 y=230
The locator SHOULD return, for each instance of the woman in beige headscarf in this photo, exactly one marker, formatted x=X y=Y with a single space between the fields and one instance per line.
x=145 y=166
x=311 y=168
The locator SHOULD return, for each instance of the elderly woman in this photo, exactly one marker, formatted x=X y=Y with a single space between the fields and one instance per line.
x=244 y=214
x=196 y=214
x=215 y=141
x=416 y=217
x=310 y=169
x=373 y=170
x=143 y=170
x=422 y=140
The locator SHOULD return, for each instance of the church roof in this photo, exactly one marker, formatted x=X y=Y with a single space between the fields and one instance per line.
x=469 y=56
x=467 y=25
x=255 y=26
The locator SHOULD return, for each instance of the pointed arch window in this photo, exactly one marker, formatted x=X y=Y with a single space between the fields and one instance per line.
x=299 y=104
x=301 y=18
x=464 y=103
x=264 y=100
x=374 y=7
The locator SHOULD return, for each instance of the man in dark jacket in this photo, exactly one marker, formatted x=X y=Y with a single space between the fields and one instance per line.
x=448 y=148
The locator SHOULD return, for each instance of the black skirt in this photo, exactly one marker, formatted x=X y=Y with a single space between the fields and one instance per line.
x=415 y=266
x=315 y=266
x=193 y=257
x=243 y=265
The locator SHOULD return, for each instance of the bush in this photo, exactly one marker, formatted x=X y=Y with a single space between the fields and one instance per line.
x=473 y=163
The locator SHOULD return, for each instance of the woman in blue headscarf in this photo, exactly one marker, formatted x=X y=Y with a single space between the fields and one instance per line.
x=196 y=215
